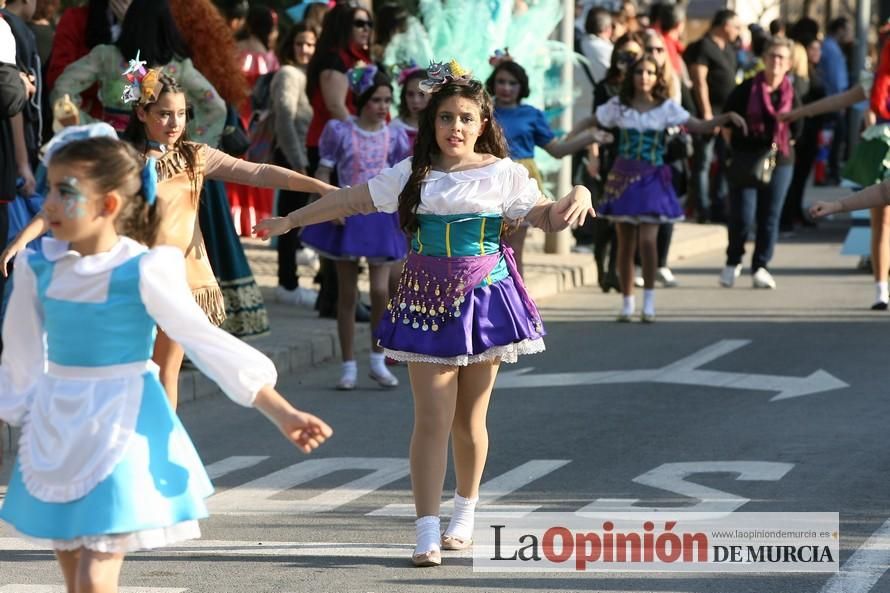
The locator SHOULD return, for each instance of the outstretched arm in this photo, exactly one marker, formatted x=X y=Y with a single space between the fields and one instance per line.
x=699 y=126
x=870 y=197
x=827 y=105
x=572 y=143
x=337 y=204
x=37 y=227
x=571 y=210
x=243 y=373
x=219 y=165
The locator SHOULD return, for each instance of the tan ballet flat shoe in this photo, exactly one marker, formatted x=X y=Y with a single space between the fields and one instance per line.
x=450 y=542
x=431 y=558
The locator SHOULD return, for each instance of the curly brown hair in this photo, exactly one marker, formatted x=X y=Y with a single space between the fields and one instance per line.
x=491 y=141
x=661 y=92
x=213 y=48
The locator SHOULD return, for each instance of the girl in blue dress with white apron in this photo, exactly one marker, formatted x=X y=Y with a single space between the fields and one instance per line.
x=105 y=467
x=461 y=308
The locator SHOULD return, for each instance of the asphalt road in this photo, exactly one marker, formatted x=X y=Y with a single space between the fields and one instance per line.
x=735 y=400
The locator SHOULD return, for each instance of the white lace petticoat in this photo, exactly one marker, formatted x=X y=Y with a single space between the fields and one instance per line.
x=508 y=353
x=123 y=543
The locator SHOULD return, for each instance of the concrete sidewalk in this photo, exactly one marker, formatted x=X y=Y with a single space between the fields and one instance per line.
x=299 y=339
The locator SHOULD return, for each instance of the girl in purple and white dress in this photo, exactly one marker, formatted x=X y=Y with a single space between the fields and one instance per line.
x=461 y=308
x=638 y=193
x=360 y=148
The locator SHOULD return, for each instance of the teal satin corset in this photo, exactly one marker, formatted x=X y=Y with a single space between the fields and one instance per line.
x=460 y=235
x=642 y=145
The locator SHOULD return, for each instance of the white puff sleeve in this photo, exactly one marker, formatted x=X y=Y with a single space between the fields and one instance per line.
x=673 y=114
x=23 y=360
x=609 y=113
x=522 y=192
x=386 y=186
x=239 y=370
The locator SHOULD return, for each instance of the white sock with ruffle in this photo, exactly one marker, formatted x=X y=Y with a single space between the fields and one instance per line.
x=463 y=518
x=427 y=533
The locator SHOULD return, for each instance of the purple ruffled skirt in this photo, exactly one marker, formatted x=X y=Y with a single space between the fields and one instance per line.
x=637 y=191
x=494 y=321
x=376 y=237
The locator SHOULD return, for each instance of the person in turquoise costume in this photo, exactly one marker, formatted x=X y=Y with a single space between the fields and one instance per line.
x=461 y=307
x=104 y=465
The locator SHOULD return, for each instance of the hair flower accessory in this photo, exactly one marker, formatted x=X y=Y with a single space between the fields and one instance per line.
x=361 y=77
x=439 y=74
x=406 y=70
x=500 y=56
x=150 y=181
x=143 y=86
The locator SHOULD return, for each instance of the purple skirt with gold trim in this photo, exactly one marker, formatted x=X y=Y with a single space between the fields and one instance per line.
x=427 y=322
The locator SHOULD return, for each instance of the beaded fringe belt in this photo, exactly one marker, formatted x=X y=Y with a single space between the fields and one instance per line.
x=432 y=289
x=626 y=172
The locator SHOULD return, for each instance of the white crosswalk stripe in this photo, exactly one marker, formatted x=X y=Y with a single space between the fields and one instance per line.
x=232 y=464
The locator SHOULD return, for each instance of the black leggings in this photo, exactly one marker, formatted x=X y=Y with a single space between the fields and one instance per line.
x=326 y=305
x=288 y=243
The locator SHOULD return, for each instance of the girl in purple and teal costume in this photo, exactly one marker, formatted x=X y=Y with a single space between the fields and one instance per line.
x=638 y=193
x=360 y=148
x=461 y=308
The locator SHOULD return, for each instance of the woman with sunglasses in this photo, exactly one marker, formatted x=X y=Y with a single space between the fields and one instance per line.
x=345 y=40
x=755 y=200
x=653 y=45
x=600 y=158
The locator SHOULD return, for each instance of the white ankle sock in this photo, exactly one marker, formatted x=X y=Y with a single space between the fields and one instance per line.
x=349 y=371
x=462 y=520
x=426 y=532
x=882 y=292
x=628 y=305
x=378 y=363
x=649 y=301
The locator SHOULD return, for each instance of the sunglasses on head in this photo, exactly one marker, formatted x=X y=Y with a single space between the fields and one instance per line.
x=363 y=24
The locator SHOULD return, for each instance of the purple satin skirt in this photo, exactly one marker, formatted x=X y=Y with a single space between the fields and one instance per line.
x=637 y=191
x=376 y=237
x=494 y=321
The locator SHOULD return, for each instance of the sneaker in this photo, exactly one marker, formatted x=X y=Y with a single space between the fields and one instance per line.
x=763 y=279
x=308 y=257
x=638 y=277
x=304 y=297
x=666 y=277
x=729 y=274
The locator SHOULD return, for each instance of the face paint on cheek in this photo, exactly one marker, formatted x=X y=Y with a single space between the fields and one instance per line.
x=75 y=202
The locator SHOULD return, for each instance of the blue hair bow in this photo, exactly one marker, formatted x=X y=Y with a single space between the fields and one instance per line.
x=150 y=181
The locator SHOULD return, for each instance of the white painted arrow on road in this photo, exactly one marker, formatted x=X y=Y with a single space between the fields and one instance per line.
x=683 y=372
